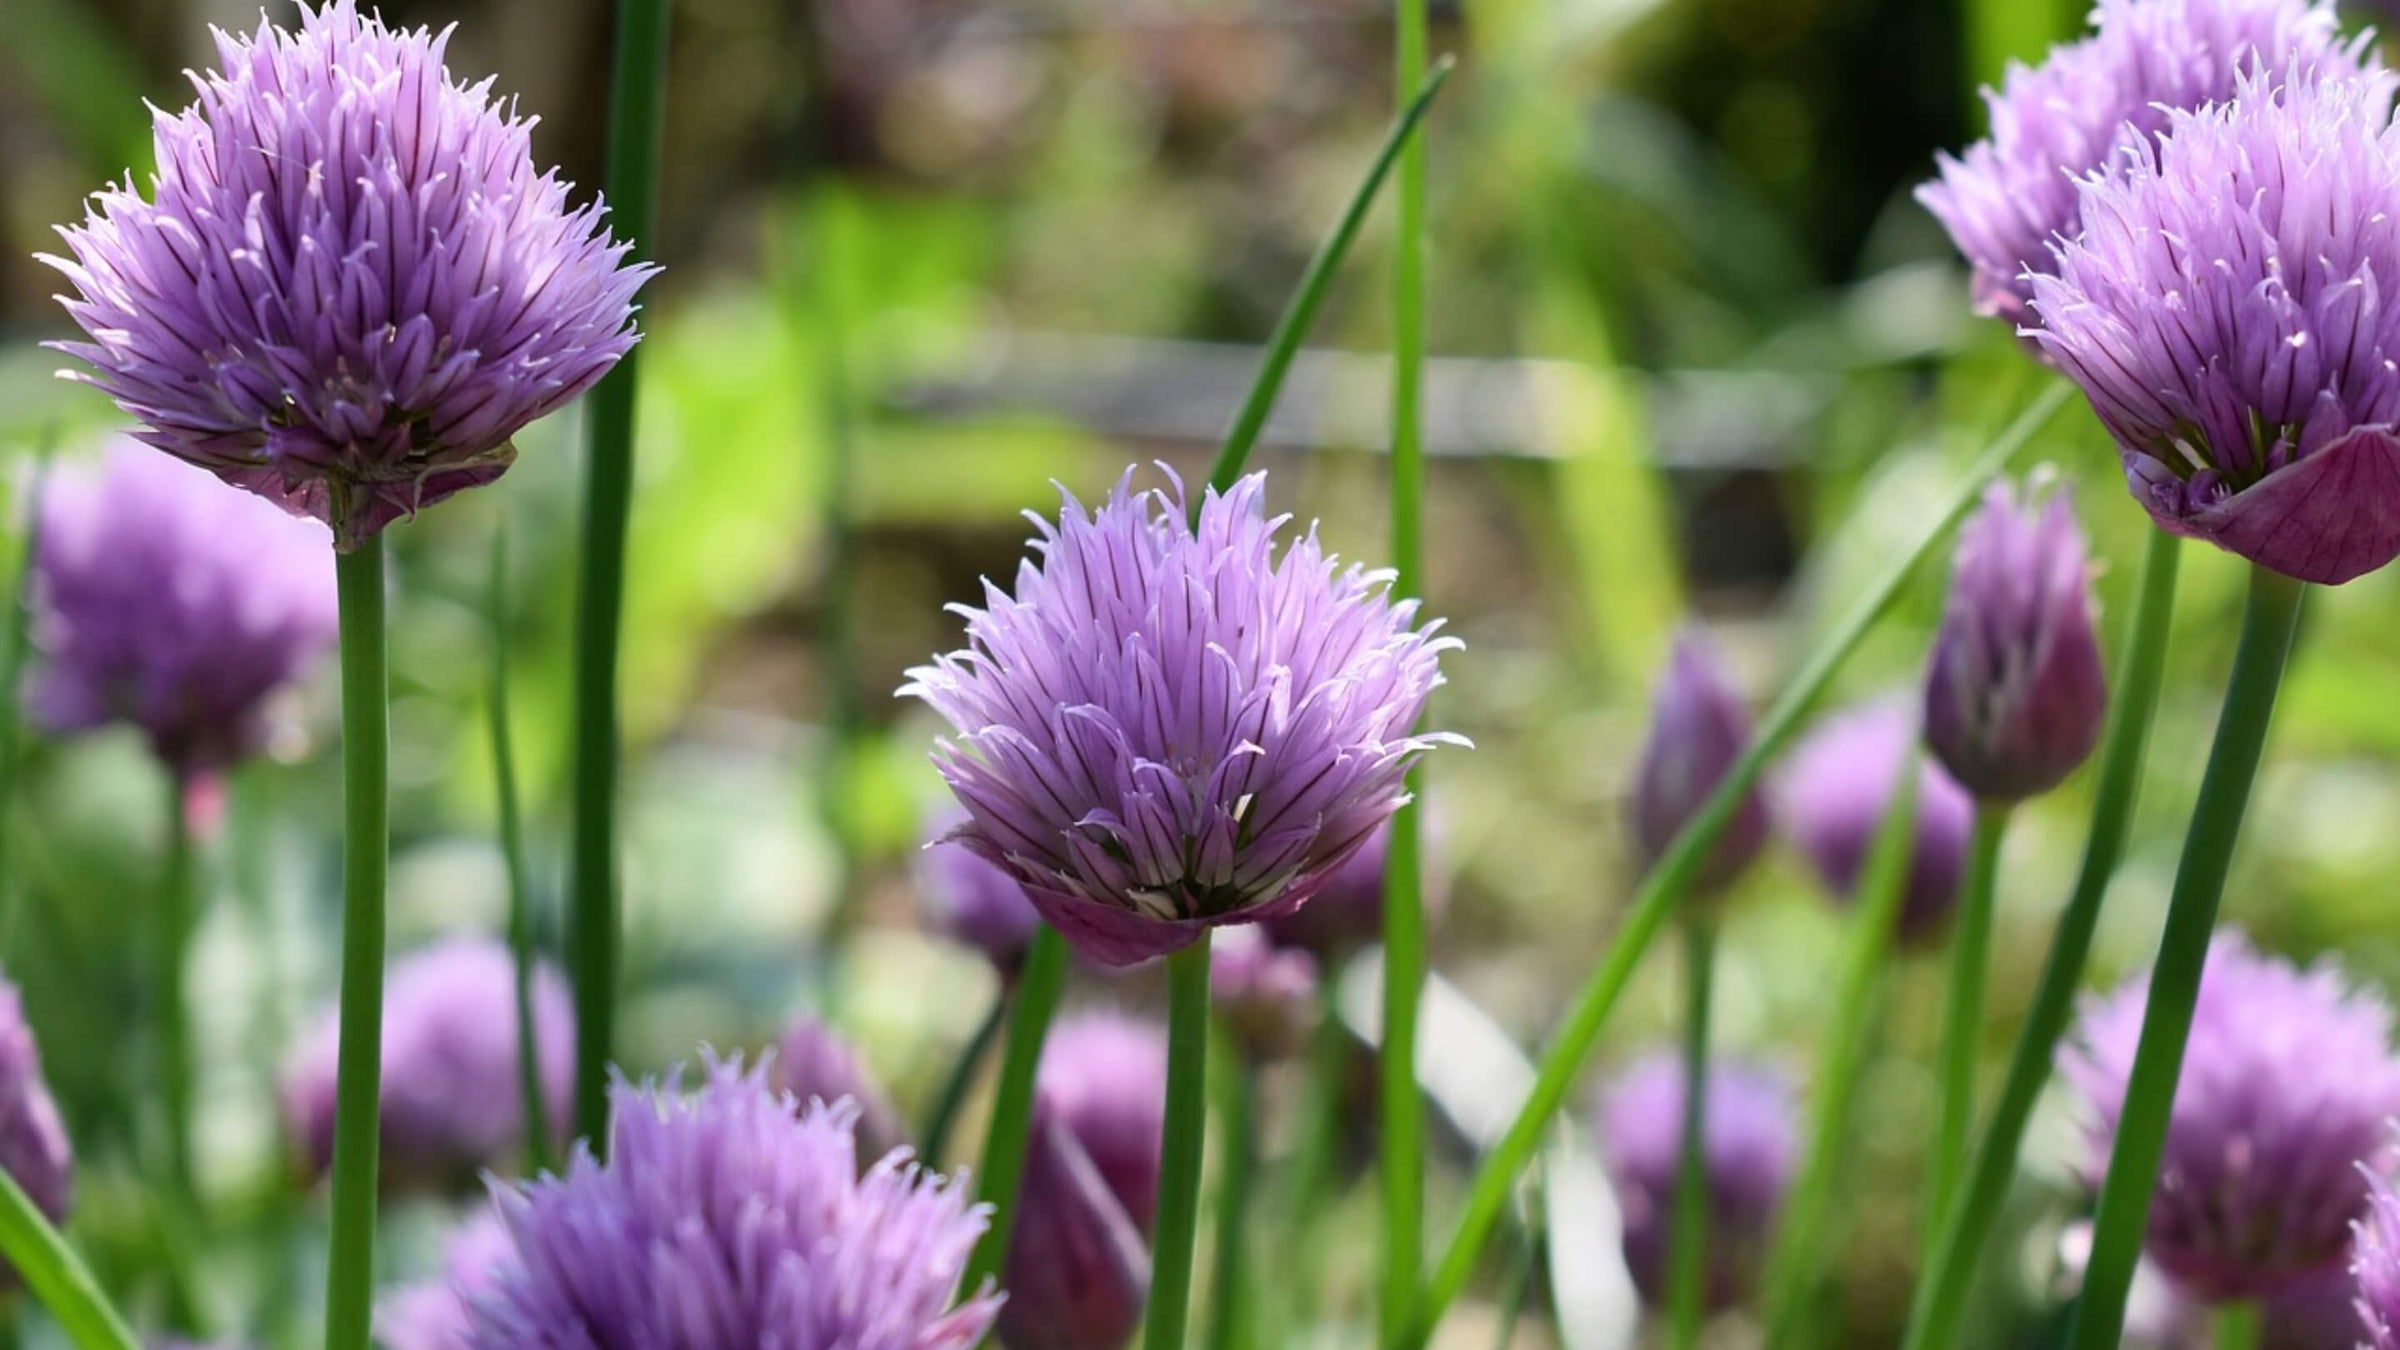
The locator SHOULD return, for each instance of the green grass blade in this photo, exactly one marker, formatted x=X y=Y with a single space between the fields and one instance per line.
x=56 y=1275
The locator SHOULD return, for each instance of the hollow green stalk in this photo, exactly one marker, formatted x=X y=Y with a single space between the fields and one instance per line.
x=177 y=913
x=943 y=1118
x=1942 y=1288
x=2268 y=622
x=1310 y=1191
x=12 y=657
x=56 y=1275
x=1804 y=1234
x=2236 y=1326
x=358 y=1082
x=1962 y=1015
x=1687 y=1266
x=1662 y=890
x=1237 y=1166
x=635 y=116
x=1003 y=1167
x=538 y=1153
x=1181 y=1145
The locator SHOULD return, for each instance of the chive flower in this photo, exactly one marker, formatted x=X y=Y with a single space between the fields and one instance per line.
x=1103 y=1077
x=431 y=1314
x=1078 y=1267
x=34 y=1149
x=1698 y=728
x=164 y=599
x=1264 y=994
x=2289 y=1080
x=973 y=902
x=2221 y=311
x=2015 y=694
x=1167 y=726
x=348 y=285
x=2375 y=1261
x=733 y=1218
x=813 y=1063
x=2089 y=103
x=1835 y=791
x=1748 y=1148
x=453 y=1102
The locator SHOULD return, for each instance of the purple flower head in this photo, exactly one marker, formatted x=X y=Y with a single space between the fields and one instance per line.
x=973 y=902
x=813 y=1063
x=34 y=1149
x=2375 y=1261
x=1168 y=727
x=2221 y=312
x=348 y=286
x=1834 y=794
x=432 y=1314
x=2088 y=103
x=453 y=1104
x=2288 y=1081
x=1749 y=1143
x=1078 y=1271
x=1103 y=1077
x=164 y=599
x=733 y=1219
x=1346 y=913
x=1698 y=728
x=2015 y=694
x=1267 y=994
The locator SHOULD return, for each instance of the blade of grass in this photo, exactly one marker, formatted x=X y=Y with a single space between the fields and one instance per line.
x=20 y=640
x=1662 y=890
x=56 y=1275
x=635 y=115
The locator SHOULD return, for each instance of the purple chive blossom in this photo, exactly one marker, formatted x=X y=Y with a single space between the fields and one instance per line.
x=432 y=1314
x=1078 y=1270
x=1833 y=796
x=813 y=1063
x=1264 y=993
x=2010 y=194
x=1103 y=1077
x=2375 y=1261
x=1346 y=913
x=34 y=1150
x=453 y=1104
x=2288 y=1082
x=349 y=286
x=1168 y=728
x=733 y=1219
x=164 y=599
x=973 y=902
x=1749 y=1146
x=2221 y=311
x=1698 y=728
x=2015 y=695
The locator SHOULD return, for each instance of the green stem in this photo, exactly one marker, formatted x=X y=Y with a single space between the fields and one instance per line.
x=2267 y=625
x=1181 y=1145
x=1663 y=889
x=1962 y=1014
x=1038 y=988
x=538 y=1154
x=366 y=785
x=1237 y=1105
x=1942 y=1290
x=56 y=1275
x=2237 y=1326
x=944 y=1117
x=1687 y=1268
x=1301 y=311
x=1312 y=1170
x=12 y=658
x=1805 y=1234
x=176 y=915
x=635 y=115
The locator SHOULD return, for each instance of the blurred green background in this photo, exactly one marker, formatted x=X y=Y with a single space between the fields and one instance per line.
x=1698 y=355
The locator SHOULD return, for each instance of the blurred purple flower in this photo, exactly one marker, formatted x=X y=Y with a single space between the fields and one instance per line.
x=1078 y=1269
x=2015 y=694
x=1265 y=993
x=2090 y=102
x=1749 y=1143
x=732 y=1219
x=1346 y=913
x=452 y=1100
x=1167 y=728
x=165 y=599
x=1698 y=728
x=2221 y=312
x=813 y=1063
x=1103 y=1077
x=2288 y=1082
x=349 y=287
x=2375 y=1261
x=432 y=1314
x=970 y=901
x=1832 y=799
x=34 y=1149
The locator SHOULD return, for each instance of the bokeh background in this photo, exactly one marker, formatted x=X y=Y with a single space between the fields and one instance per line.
x=1698 y=357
